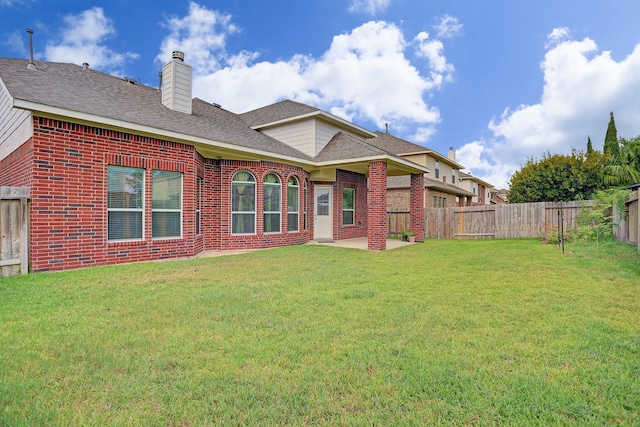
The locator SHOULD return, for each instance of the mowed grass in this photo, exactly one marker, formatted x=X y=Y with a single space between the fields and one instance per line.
x=442 y=333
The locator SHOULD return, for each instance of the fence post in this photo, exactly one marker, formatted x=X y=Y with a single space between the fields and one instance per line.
x=17 y=233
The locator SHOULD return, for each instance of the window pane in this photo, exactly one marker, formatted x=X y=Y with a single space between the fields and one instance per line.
x=165 y=224
x=347 y=198
x=243 y=177
x=125 y=188
x=243 y=197
x=347 y=217
x=271 y=198
x=292 y=222
x=272 y=179
x=124 y=225
x=243 y=223
x=272 y=223
x=292 y=199
x=167 y=190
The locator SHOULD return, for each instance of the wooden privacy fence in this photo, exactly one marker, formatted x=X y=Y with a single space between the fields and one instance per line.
x=626 y=223
x=492 y=221
x=14 y=230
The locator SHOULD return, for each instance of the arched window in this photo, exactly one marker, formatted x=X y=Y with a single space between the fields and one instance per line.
x=272 y=203
x=293 y=204
x=243 y=203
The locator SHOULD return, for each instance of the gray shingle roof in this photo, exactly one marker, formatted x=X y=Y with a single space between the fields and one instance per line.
x=71 y=87
x=394 y=144
x=343 y=146
x=275 y=112
x=405 y=182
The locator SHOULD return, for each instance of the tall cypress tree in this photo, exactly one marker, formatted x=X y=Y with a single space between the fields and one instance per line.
x=589 y=145
x=611 y=138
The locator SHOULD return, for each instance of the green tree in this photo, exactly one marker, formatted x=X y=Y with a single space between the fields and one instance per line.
x=611 y=138
x=589 y=146
x=557 y=177
x=623 y=167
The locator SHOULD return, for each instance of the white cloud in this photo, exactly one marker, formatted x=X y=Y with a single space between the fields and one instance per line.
x=82 y=40
x=581 y=87
x=201 y=35
x=15 y=42
x=448 y=27
x=558 y=35
x=364 y=75
x=368 y=6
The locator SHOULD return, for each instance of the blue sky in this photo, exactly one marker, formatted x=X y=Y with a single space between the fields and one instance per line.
x=499 y=80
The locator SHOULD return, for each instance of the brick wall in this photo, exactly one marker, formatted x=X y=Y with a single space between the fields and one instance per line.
x=447 y=199
x=377 y=205
x=417 y=206
x=69 y=184
x=346 y=179
x=398 y=199
x=15 y=169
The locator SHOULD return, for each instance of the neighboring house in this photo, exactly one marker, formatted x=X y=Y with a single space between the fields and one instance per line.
x=481 y=189
x=503 y=194
x=124 y=172
x=497 y=197
x=441 y=189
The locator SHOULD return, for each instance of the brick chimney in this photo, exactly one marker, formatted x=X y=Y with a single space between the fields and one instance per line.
x=176 y=84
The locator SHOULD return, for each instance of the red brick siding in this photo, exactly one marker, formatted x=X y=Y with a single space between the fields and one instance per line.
x=228 y=169
x=417 y=206
x=346 y=179
x=377 y=205
x=398 y=199
x=69 y=212
x=16 y=169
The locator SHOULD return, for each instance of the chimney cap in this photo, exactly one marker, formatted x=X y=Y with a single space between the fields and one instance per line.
x=178 y=55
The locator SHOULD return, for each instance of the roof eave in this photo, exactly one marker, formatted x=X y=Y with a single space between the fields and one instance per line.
x=199 y=142
x=319 y=113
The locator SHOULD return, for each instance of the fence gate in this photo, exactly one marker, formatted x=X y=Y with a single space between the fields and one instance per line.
x=474 y=222
x=14 y=230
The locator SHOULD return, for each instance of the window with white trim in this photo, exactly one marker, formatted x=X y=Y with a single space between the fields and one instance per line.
x=166 y=205
x=348 y=206
x=125 y=203
x=293 y=204
x=272 y=203
x=453 y=176
x=243 y=203
x=437 y=169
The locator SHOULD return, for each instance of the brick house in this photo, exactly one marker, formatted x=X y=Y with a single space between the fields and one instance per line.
x=123 y=172
x=480 y=189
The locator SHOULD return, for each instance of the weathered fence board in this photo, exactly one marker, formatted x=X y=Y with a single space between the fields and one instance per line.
x=494 y=221
x=14 y=231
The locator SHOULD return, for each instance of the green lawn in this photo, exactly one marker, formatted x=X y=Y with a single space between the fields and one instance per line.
x=446 y=332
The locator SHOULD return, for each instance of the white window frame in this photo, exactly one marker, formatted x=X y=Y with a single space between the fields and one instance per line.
x=141 y=210
x=352 y=210
x=437 y=168
x=296 y=212
x=255 y=202
x=179 y=210
x=266 y=212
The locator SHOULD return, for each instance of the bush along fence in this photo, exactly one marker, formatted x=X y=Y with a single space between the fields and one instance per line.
x=14 y=230
x=494 y=221
x=626 y=221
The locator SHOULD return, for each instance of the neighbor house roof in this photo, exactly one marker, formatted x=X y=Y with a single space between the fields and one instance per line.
x=464 y=176
x=432 y=184
x=399 y=146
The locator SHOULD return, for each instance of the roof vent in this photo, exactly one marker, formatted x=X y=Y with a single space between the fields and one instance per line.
x=130 y=80
x=178 y=55
x=85 y=65
x=31 y=65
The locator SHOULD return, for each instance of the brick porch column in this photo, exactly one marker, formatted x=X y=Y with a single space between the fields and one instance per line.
x=416 y=207
x=377 y=206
